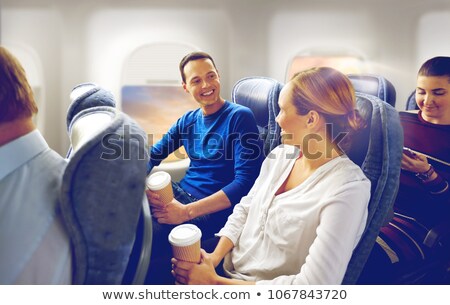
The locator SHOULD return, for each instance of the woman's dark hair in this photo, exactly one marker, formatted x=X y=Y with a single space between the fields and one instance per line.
x=436 y=66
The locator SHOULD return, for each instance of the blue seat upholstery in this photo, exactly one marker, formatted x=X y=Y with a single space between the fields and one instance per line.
x=411 y=102
x=383 y=137
x=432 y=264
x=377 y=150
x=260 y=94
x=375 y=85
x=102 y=198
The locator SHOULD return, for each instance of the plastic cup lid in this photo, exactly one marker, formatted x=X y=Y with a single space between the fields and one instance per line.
x=184 y=235
x=158 y=181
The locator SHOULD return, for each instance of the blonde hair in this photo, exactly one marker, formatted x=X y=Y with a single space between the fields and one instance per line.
x=330 y=93
x=16 y=97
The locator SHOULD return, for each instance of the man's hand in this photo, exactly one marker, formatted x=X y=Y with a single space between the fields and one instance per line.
x=170 y=213
x=154 y=199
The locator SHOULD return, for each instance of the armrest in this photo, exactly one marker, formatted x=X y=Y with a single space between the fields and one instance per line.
x=176 y=169
x=436 y=234
x=144 y=258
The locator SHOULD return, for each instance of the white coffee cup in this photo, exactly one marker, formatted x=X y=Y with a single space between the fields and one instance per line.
x=160 y=183
x=185 y=241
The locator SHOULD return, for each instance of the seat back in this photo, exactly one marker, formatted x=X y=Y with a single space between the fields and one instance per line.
x=411 y=102
x=375 y=85
x=260 y=94
x=102 y=198
x=377 y=149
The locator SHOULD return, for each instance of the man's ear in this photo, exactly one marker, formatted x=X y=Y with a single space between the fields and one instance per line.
x=184 y=87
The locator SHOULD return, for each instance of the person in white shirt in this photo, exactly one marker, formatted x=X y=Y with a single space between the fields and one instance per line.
x=34 y=244
x=307 y=210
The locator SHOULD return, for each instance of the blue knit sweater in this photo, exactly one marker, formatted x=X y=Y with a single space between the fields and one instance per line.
x=224 y=148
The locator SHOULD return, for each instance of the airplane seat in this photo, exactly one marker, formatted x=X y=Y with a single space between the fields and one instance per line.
x=103 y=198
x=411 y=102
x=379 y=146
x=423 y=260
x=375 y=85
x=176 y=169
x=377 y=150
x=260 y=94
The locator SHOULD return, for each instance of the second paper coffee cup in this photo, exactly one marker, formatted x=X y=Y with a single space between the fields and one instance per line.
x=160 y=183
x=185 y=241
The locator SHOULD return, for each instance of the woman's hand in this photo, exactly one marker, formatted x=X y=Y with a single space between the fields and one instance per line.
x=202 y=273
x=416 y=164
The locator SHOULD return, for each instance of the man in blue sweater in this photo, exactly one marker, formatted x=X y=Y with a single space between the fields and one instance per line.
x=222 y=142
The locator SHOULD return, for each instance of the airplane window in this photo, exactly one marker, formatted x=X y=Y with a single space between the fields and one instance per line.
x=345 y=64
x=156 y=108
x=428 y=40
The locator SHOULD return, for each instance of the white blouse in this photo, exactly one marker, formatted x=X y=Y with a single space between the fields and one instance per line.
x=303 y=236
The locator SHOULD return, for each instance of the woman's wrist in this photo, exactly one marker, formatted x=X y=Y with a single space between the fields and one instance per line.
x=219 y=280
x=428 y=175
x=436 y=185
x=215 y=259
x=432 y=177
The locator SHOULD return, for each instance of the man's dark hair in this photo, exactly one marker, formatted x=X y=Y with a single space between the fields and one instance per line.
x=193 y=56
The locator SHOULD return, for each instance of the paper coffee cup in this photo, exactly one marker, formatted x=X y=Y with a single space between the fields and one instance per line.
x=185 y=241
x=160 y=183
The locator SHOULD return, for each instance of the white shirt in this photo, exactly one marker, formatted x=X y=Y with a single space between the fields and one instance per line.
x=303 y=236
x=34 y=245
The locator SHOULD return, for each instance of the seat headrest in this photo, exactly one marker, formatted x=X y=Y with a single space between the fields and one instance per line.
x=256 y=93
x=381 y=144
x=411 y=102
x=88 y=95
x=86 y=124
x=374 y=85
x=360 y=141
x=260 y=94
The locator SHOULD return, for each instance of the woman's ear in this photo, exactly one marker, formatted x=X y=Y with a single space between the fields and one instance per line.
x=313 y=118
